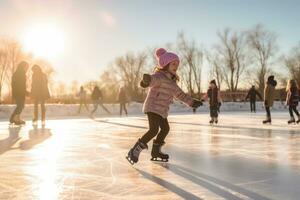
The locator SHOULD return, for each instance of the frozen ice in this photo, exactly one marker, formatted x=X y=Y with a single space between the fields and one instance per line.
x=85 y=159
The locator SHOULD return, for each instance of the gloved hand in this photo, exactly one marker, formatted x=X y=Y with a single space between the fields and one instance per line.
x=219 y=104
x=147 y=78
x=196 y=103
x=145 y=82
x=266 y=102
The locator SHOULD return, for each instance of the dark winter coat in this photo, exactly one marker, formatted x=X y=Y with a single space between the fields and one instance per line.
x=18 y=85
x=252 y=94
x=269 y=93
x=292 y=97
x=213 y=96
x=39 y=87
x=97 y=95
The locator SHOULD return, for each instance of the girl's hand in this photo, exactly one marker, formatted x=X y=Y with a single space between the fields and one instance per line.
x=196 y=103
x=146 y=79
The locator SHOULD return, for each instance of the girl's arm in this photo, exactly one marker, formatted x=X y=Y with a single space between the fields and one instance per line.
x=181 y=96
x=150 y=80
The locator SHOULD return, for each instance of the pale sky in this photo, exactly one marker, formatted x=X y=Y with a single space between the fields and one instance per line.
x=91 y=33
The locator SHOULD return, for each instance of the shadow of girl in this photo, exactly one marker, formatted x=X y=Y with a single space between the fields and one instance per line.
x=36 y=136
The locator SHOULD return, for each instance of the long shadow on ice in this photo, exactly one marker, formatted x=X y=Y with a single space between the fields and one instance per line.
x=36 y=136
x=213 y=184
x=120 y=124
x=7 y=143
x=170 y=186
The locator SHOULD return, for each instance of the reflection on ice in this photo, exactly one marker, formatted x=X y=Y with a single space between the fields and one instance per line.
x=85 y=159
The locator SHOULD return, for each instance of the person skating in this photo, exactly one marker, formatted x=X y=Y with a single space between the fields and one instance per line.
x=163 y=88
x=252 y=93
x=122 y=100
x=19 y=92
x=39 y=92
x=97 y=99
x=82 y=100
x=215 y=101
x=292 y=99
x=269 y=95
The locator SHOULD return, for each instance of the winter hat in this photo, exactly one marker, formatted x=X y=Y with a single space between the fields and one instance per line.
x=271 y=78
x=164 y=58
x=213 y=82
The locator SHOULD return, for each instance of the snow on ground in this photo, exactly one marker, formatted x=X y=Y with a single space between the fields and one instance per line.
x=61 y=110
x=85 y=159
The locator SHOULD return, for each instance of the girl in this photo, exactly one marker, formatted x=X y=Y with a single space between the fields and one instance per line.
x=214 y=97
x=39 y=92
x=292 y=99
x=269 y=97
x=163 y=88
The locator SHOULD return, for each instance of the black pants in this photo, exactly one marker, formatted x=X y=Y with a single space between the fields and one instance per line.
x=20 y=102
x=291 y=109
x=156 y=122
x=268 y=112
x=123 y=107
x=213 y=111
x=96 y=104
x=36 y=109
x=253 y=106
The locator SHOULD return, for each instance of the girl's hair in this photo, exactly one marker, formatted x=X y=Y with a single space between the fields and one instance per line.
x=165 y=69
x=291 y=84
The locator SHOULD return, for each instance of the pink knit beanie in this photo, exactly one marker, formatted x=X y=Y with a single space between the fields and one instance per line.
x=164 y=58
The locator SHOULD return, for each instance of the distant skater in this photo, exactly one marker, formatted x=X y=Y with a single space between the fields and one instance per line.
x=214 y=99
x=269 y=95
x=252 y=93
x=97 y=99
x=19 y=92
x=39 y=92
x=292 y=100
x=123 y=100
x=162 y=89
x=82 y=100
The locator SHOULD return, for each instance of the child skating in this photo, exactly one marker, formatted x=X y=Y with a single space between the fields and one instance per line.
x=292 y=99
x=269 y=95
x=162 y=89
x=214 y=99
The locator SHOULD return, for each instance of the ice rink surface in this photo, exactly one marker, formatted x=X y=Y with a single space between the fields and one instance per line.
x=85 y=159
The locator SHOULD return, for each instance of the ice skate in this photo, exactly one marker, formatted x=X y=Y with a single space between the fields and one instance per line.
x=267 y=121
x=298 y=121
x=216 y=120
x=292 y=121
x=156 y=153
x=211 y=121
x=133 y=154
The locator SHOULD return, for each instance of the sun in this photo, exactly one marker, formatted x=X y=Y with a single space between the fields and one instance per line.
x=44 y=40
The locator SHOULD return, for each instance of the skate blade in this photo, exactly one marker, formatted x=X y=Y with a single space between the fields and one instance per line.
x=159 y=160
x=129 y=160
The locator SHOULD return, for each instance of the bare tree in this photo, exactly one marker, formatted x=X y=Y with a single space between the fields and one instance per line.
x=232 y=53
x=191 y=64
x=292 y=62
x=215 y=68
x=263 y=47
x=129 y=69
